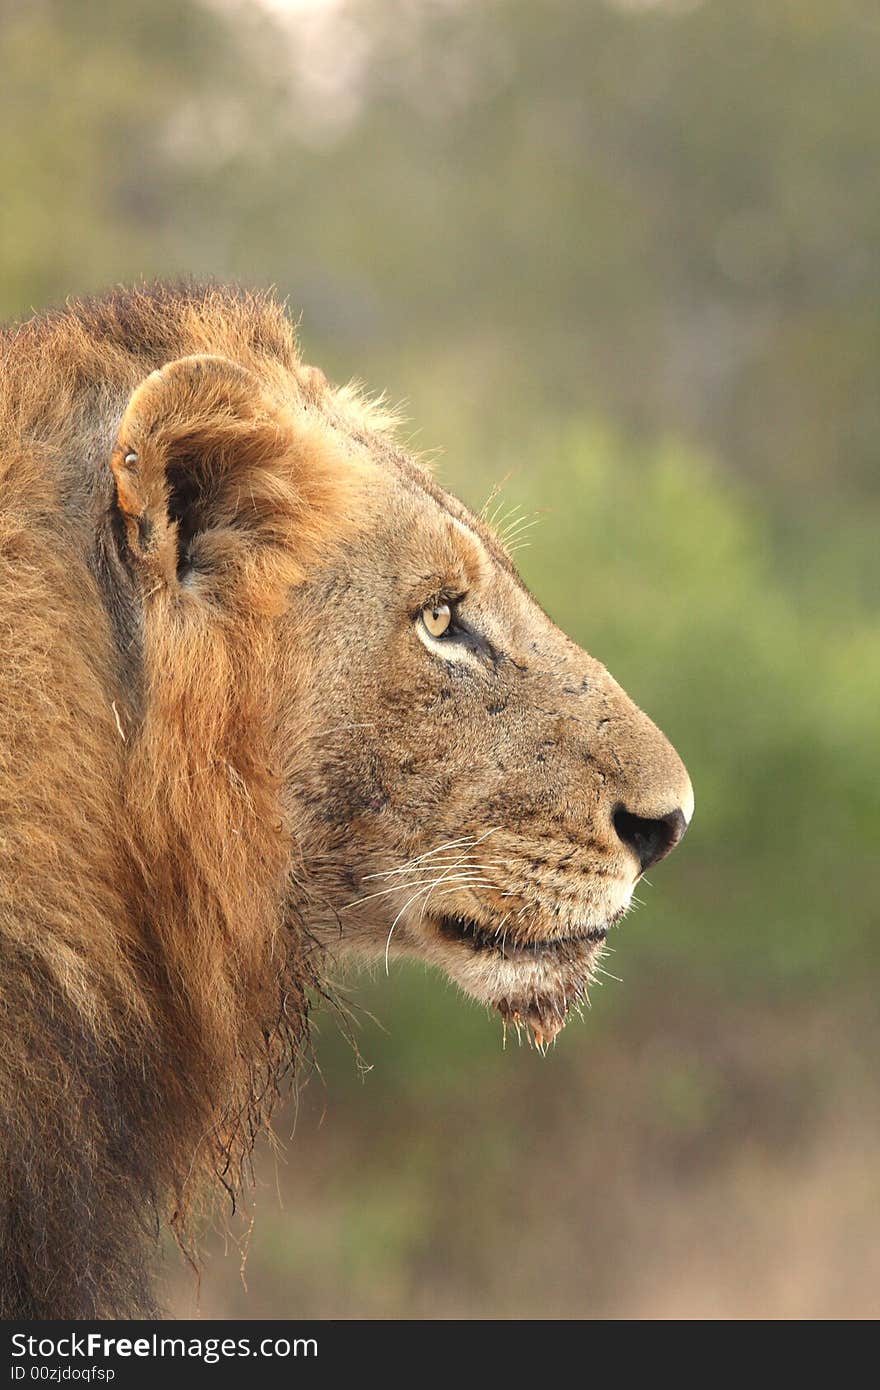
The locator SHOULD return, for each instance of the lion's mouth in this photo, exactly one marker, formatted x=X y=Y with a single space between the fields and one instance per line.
x=456 y=927
x=541 y=978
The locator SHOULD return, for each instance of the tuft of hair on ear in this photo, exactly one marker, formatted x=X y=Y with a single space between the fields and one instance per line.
x=225 y=493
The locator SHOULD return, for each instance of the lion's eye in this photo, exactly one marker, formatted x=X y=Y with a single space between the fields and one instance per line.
x=437 y=618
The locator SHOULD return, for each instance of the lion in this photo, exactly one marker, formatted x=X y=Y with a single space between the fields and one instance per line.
x=269 y=697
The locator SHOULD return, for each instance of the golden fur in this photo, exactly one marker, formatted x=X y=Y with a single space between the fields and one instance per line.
x=227 y=745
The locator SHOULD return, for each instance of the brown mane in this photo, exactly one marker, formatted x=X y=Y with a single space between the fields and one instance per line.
x=152 y=983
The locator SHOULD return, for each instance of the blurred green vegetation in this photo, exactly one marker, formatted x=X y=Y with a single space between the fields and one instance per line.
x=624 y=258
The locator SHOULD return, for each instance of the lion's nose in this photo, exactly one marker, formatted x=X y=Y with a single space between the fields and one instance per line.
x=650 y=840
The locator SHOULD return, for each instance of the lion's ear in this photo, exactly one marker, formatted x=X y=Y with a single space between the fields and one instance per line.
x=212 y=483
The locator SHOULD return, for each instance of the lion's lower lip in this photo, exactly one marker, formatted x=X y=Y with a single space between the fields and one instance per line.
x=456 y=927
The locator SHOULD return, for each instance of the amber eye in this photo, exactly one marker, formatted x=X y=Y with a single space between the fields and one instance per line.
x=437 y=618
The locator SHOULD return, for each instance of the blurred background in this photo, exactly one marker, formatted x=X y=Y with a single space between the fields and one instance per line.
x=623 y=257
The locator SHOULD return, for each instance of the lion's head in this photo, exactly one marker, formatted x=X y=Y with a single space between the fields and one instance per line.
x=481 y=792
x=466 y=784
x=268 y=695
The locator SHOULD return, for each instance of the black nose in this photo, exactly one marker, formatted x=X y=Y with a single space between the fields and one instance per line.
x=651 y=840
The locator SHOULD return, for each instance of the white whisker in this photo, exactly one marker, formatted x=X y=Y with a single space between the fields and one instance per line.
x=469 y=840
x=432 y=868
x=396 y=888
x=454 y=888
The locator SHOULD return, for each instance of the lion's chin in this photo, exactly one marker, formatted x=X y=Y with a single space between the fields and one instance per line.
x=533 y=982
